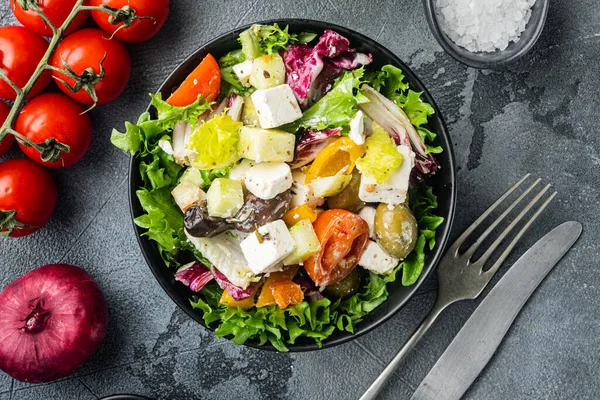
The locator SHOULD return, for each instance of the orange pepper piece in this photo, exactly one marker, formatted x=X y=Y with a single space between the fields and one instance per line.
x=297 y=214
x=266 y=295
x=339 y=154
x=286 y=293
x=229 y=301
x=204 y=81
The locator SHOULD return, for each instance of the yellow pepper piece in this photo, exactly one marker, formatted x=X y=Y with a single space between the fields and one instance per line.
x=299 y=213
x=340 y=154
x=266 y=293
x=229 y=301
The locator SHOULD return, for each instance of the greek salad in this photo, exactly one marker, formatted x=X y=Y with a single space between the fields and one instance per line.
x=286 y=182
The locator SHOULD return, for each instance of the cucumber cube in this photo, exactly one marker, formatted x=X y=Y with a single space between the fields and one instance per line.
x=224 y=198
x=330 y=185
x=249 y=114
x=193 y=177
x=264 y=145
x=307 y=243
x=267 y=72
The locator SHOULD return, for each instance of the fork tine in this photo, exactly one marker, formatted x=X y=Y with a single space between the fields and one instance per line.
x=459 y=242
x=514 y=242
x=469 y=253
x=488 y=253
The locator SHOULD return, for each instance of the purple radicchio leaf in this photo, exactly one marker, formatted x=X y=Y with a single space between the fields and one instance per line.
x=310 y=144
x=311 y=71
x=234 y=291
x=194 y=275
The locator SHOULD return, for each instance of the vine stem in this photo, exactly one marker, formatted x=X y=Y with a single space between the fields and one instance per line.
x=6 y=128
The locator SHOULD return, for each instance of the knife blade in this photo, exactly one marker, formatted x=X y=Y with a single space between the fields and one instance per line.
x=475 y=344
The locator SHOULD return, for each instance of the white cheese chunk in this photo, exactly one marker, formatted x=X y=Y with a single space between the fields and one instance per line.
x=376 y=260
x=267 y=180
x=368 y=214
x=238 y=171
x=276 y=106
x=303 y=193
x=243 y=71
x=394 y=190
x=265 y=250
x=187 y=194
x=225 y=253
x=357 y=128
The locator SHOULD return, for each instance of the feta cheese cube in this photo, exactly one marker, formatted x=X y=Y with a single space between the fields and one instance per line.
x=394 y=190
x=267 y=180
x=225 y=253
x=238 y=171
x=357 y=128
x=276 y=106
x=376 y=260
x=187 y=194
x=303 y=193
x=368 y=214
x=243 y=71
x=266 y=248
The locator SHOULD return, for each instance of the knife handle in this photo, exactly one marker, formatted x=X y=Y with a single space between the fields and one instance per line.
x=373 y=391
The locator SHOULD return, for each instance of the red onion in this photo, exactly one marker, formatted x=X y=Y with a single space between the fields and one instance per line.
x=52 y=320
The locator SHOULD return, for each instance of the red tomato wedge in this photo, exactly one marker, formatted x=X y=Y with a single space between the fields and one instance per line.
x=343 y=236
x=205 y=80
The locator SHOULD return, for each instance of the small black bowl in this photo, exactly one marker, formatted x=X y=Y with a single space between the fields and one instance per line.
x=498 y=58
x=444 y=183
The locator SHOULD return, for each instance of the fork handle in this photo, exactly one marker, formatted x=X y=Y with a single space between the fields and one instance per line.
x=377 y=386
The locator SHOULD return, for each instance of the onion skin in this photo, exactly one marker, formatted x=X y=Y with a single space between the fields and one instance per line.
x=52 y=320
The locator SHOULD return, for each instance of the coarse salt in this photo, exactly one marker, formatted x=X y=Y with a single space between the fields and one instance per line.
x=484 y=25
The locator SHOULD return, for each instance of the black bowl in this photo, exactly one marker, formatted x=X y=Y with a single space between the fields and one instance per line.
x=444 y=183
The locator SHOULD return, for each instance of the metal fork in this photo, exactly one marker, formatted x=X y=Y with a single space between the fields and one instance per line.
x=461 y=278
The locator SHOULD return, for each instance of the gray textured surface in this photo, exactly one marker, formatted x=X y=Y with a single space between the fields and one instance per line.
x=539 y=115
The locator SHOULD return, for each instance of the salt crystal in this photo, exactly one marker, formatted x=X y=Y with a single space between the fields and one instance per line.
x=484 y=25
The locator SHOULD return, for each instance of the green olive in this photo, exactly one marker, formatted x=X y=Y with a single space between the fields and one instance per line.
x=396 y=230
x=348 y=198
x=346 y=287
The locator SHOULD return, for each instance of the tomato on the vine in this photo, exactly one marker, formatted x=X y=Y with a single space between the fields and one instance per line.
x=53 y=115
x=154 y=14
x=7 y=142
x=22 y=51
x=28 y=197
x=84 y=51
x=344 y=237
x=57 y=12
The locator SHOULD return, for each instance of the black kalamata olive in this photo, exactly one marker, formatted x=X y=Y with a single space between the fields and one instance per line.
x=199 y=224
x=258 y=212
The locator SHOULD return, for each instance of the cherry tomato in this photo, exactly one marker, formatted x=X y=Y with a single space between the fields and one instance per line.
x=28 y=193
x=140 y=30
x=205 y=80
x=343 y=236
x=57 y=12
x=53 y=115
x=21 y=51
x=85 y=49
x=9 y=139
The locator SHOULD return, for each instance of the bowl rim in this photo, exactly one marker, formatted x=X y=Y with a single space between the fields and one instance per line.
x=482 y=60
x=433 y=257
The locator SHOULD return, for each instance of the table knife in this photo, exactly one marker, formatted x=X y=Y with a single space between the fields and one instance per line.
x=479 y=338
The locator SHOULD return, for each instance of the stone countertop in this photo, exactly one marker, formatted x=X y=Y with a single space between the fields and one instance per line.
x=539 y=115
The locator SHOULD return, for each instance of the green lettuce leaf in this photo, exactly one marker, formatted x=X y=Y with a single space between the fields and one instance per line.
x=336 y=108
